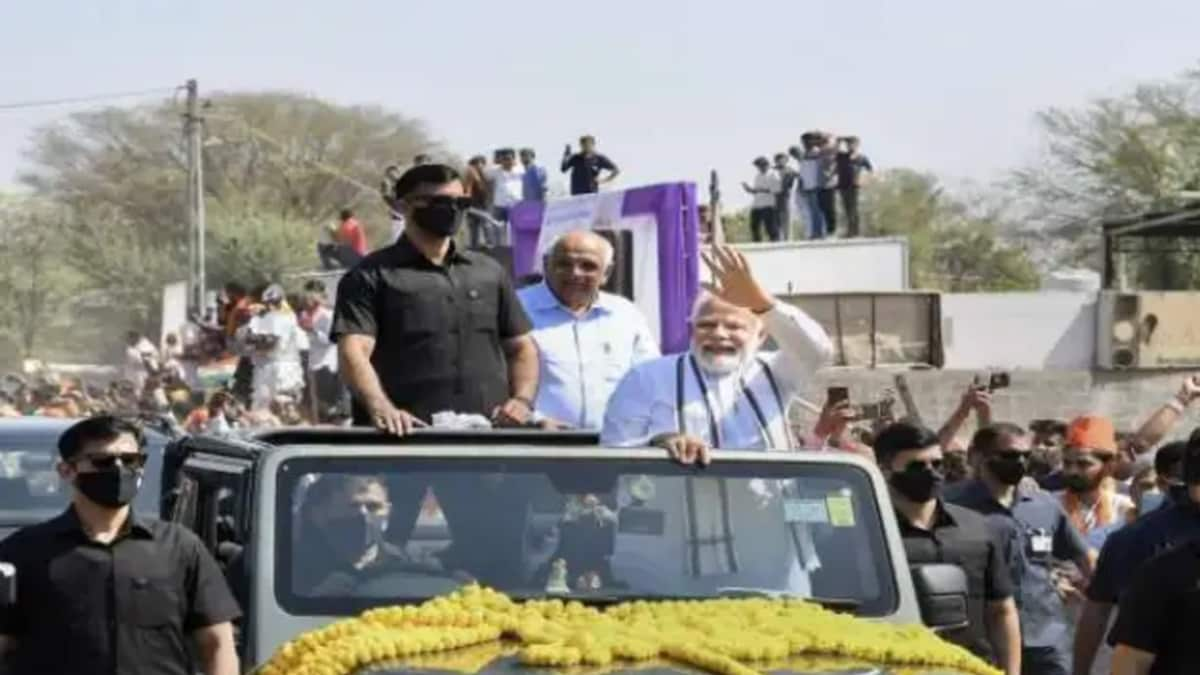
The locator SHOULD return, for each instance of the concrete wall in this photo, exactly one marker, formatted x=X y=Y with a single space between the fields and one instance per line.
x=1129 y=398
x=829 y=265
x=1047 y=330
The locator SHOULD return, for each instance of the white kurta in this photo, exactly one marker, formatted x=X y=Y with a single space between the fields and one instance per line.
x=733 y=531
x=278 y=371
x=645 y=403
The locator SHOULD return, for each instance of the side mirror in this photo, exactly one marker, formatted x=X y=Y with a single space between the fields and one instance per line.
x=942 y=595
x=8 y=585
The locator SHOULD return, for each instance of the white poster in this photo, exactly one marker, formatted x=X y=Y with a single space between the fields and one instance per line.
x=174 y=309
x=602 y=211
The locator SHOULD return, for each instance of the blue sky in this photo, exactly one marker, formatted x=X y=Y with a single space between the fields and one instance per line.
x=671 y=89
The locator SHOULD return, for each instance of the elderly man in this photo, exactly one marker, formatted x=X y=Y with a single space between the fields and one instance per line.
x=722 y=393
x=587 y=339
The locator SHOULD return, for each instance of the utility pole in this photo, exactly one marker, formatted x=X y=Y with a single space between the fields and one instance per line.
x=193 y=126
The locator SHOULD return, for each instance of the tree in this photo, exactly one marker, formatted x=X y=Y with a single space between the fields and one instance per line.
x=34 y=285
x=276 y=162
x=1112 y=157
x=953 y=245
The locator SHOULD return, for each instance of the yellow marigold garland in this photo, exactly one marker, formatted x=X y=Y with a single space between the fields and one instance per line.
x=722 y=636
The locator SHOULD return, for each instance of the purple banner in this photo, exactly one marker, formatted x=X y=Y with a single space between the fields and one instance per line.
x=673 y=206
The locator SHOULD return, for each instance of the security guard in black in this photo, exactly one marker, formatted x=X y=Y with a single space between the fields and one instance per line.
x=424 y=327
x=1156 y=627
x=104 y=591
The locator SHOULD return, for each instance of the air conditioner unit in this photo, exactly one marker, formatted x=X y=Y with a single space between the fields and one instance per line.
x=1148 y=330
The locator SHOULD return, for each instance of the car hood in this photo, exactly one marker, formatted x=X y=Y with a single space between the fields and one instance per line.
x=476 y=662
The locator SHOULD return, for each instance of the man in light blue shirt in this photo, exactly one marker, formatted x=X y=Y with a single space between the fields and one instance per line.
x=587 y=339
x=533 y=182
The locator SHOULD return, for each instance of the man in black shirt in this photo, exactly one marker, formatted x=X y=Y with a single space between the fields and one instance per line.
x=422 y=327
x=910 y=457
x=851 y=164
x=102 y=590
x=585 y=167
x=1156 y=627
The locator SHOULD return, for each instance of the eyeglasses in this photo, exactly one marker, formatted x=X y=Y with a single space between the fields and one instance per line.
x=916 y=464
x=1012 y=455
x=461 y=203
x=129 y=460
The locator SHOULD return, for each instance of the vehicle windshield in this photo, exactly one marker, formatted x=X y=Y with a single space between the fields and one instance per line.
x=31 y=490
x=355 y=533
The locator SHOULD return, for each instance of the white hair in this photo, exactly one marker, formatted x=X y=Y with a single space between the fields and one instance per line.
x=705 y=298
x=607 y=253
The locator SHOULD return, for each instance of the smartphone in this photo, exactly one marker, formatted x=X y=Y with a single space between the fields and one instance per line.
x=998 y=381
x=835 y=395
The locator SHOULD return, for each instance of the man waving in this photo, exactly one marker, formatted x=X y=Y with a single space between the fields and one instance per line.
x=721 y=393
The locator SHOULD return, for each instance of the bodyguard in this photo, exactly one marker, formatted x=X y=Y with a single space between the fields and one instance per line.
x=102 y=590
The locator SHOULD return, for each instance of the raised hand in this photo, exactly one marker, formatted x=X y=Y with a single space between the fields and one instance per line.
x=733 y=281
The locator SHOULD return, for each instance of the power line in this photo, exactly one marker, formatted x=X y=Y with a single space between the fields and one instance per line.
x=45 y=103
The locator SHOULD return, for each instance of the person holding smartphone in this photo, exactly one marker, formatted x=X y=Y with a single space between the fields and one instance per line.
x=586 y=166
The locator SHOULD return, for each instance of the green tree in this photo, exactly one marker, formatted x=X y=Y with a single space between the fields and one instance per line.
x=278 y=167
x=1112 y=157
x=35 y=288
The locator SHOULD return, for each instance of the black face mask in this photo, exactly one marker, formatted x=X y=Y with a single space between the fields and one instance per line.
x=1007 y=471
x=1079 y=483
x=113 y=489
x=442 y=220
x=918 y=484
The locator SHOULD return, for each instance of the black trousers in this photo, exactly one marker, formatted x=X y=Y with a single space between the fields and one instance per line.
x=764 y=218
x=1044 y=661
x=850 y=208
x=825 y=200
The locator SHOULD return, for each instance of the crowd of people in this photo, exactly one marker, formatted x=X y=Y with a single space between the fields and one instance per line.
x=1054 y=521
x=811 y=176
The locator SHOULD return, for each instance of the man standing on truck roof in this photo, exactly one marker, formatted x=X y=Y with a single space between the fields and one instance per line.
x=910 y=457
x=587 y=339
x=722 y=393
x=423 y=327
x=1035 y=535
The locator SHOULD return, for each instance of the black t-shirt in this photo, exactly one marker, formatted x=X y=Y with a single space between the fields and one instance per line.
x=585 y=170
x=127 y=607
x=961 y=537
x=1127 y=549
x=1161 y=611
x=438 y=329
x=849 y=167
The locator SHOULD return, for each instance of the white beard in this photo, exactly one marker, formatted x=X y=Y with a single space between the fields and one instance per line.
x=722 y=365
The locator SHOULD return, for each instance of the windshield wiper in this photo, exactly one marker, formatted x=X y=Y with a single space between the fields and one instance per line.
x=836 y=604
x=605 y=600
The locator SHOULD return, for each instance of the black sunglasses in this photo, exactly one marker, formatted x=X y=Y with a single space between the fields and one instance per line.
x=461 y=203
x=1012 y=455
x=916 y=464
x=129 y=460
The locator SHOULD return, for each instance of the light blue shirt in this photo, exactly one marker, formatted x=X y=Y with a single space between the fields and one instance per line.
x=581 y=359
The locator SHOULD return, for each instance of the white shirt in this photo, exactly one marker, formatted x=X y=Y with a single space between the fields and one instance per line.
x=581 y=359
x=283 y=326
x=646 y=405
x=135 y=361
x=322 y=353
x=768 y=181
x=507 y=186
x=810 y=173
